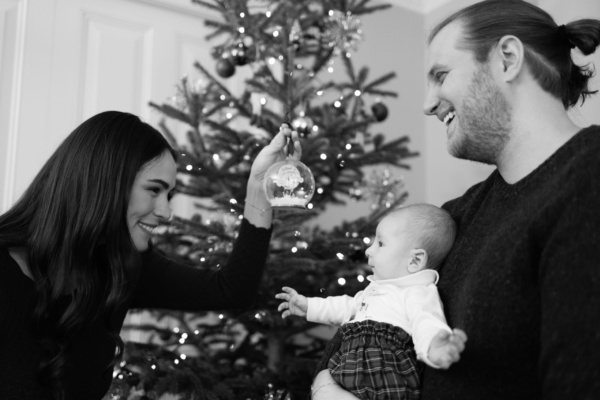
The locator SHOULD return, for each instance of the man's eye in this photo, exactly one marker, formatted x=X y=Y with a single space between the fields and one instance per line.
x=440 y=76
x=170 y=195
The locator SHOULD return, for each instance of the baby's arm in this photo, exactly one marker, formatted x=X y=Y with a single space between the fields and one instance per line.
x=294 y=303
x=435 y=343
x=446 y=347
x=333 y=310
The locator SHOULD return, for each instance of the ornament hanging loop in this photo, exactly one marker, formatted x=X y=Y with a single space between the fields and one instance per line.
x=290 y=143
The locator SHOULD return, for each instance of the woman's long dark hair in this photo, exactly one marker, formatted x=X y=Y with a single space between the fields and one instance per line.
x=72 y=221
x=547 y=47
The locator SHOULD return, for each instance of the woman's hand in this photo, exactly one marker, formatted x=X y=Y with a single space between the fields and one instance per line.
x=257 y=208
x=274 y=152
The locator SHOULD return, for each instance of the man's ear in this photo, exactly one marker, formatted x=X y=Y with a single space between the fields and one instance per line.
x=417 y=261
x=510 y=52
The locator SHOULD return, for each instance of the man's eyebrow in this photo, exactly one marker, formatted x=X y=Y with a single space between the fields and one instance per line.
x=433 y=70
x=161 y=182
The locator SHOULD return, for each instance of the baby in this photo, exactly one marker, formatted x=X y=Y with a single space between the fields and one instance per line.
x=400 y=306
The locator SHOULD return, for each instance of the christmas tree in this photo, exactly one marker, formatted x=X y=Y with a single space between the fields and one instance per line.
x=288 y=48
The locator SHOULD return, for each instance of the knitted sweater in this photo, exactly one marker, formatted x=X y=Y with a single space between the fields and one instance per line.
x=523 y=281
x=163 y=284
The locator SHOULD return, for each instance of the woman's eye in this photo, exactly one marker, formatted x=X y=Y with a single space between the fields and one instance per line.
x=155 y=190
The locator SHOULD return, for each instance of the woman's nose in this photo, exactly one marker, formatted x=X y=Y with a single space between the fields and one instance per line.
x=163 y=208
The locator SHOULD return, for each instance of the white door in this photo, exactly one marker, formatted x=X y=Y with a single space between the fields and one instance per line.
x=62 y=61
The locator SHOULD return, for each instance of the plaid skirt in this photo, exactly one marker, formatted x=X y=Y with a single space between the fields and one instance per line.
x=376 y=361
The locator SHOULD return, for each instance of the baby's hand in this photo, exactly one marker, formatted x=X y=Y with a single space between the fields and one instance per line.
x=294 y=304
x=446 y=347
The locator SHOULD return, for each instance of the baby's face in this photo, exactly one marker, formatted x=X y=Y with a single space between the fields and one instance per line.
x=390 y=252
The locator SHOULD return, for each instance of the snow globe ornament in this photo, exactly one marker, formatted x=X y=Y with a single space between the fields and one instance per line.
x=289 y=184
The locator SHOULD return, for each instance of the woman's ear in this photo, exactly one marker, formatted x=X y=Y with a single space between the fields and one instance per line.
x=417 y=261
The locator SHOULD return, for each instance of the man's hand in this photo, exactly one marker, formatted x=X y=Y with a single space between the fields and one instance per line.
x=294 y=303
x=446 y=347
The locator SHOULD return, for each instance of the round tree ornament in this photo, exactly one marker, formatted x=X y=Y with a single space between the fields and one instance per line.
x=380 y=111
x=225 y=68
x=289 y=184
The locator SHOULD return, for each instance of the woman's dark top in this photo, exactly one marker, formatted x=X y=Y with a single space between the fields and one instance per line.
x=163 y=284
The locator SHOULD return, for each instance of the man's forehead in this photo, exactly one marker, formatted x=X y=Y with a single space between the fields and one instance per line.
x=444 y=46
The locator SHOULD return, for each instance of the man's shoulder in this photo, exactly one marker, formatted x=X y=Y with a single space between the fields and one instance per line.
x=588 y=143
x=579 y=159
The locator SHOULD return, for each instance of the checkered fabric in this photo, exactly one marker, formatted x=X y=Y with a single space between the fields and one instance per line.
x=376 y=361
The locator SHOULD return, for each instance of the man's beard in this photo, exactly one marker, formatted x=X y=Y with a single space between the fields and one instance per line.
x=484 y=121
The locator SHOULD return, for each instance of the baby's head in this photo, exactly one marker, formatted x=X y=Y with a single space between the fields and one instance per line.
x=411 y=239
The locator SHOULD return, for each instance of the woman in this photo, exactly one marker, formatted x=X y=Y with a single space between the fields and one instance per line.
x=75 y=256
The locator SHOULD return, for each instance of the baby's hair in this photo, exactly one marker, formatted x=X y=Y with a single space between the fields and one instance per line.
x=432 y=229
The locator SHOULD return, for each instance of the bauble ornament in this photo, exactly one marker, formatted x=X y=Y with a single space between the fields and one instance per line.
x=225 y=68
x=289 y=184
x=380 y=111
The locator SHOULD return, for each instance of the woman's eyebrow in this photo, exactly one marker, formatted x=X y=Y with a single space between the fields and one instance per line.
x=161 y=182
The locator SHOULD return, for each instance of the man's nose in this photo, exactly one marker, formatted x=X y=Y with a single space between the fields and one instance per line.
x=431 y=102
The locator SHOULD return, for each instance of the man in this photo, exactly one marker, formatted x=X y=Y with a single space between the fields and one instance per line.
x=523 y=277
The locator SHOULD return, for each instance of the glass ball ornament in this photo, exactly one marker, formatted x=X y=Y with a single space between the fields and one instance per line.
x=380 y=111
x=225 y=68
x=289 y=184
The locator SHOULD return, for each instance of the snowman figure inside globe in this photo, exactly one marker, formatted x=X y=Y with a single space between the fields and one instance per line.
x=289 y=184
x=288 y=178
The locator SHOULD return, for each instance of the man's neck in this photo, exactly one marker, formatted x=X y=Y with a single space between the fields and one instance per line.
x=538 y=130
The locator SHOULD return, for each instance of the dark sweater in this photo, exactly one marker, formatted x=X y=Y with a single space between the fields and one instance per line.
x=523 y=281
x=163 y=284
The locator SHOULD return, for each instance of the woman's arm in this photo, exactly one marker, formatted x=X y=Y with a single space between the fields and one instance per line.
x=165 y=283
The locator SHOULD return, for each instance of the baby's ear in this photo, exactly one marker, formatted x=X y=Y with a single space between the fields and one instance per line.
x=417 y=261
